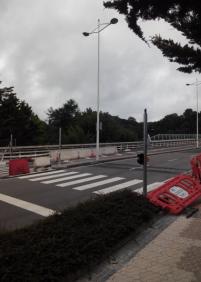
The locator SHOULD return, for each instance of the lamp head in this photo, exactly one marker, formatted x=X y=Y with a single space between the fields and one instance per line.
x=114 y=21
x=85 y=33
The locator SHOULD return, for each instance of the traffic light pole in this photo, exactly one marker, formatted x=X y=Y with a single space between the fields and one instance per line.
x=145 y=155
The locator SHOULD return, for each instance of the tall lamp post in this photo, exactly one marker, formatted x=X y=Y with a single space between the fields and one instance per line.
x=97 y=30
x=196 y=83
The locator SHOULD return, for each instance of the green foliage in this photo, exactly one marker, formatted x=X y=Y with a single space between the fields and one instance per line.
x=64 y=116
x=185 y=123
x=64 y=247
x=185 y=16
x=82 y=127
x=17 y=118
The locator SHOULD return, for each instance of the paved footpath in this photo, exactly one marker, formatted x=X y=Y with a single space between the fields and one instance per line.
x=173 y=256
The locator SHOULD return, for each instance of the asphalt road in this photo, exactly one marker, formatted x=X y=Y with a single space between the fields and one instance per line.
x=24 y=200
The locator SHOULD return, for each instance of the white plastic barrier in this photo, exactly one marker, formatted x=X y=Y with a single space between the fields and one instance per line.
x=108 y=150
x=72 y=154
x=41 y=162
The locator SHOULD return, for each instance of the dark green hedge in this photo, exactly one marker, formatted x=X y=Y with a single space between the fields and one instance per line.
x=63 y=247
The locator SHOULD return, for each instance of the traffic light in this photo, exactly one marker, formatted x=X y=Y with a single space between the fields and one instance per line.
x=140 y=158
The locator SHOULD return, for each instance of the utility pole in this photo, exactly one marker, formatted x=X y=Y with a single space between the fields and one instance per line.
x=59 y=144
x=145 y=155
x=11 y=145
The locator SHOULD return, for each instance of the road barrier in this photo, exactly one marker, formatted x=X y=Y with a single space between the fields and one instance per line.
x=196 y=167
x=18 y=167
x=72 y=154
x=176 y=194
x=179 y=192
x=41 y=162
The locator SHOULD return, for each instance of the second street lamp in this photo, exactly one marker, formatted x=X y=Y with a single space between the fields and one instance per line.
x=196 y=83
x=97 y=30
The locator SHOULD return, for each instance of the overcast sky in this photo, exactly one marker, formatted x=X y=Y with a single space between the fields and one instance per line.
x=44 y=55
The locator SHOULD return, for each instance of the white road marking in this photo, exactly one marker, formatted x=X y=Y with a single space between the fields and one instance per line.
x=133 y=168
x=150 y=187
x=66 y=178
x=52 y=176
x=40 y=174
x=92 y=185
x=26 y=205
x=172 y=160
x=118 y=187
x=168 y=179
x=79 y=181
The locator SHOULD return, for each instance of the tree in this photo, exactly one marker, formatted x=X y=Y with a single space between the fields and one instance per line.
x=63 y=116
x=17 y=118
x=183 y=15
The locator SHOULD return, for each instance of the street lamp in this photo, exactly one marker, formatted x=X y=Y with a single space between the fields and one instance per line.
x=196 y=83
x=97 y=30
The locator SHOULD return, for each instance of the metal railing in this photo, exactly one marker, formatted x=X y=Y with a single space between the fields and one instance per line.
x=164 y=137
x=36 y=151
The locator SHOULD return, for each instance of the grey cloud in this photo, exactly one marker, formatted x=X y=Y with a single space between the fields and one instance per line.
x=44 y=55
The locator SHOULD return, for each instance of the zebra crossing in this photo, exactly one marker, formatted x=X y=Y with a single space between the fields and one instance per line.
x=87 y=181
x=3 y=169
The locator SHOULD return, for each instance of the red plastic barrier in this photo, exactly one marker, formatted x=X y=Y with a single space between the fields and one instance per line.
x=176 y=194
x=196 y=167
x=20 y=166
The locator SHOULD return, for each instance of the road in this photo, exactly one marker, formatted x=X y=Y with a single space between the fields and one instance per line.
x=29 y=198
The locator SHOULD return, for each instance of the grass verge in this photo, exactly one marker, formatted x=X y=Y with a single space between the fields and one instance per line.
x=67 y=246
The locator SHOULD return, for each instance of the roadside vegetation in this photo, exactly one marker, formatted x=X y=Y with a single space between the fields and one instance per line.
x=69 y=245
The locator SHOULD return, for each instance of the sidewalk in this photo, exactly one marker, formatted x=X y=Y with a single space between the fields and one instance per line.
x=173 y=256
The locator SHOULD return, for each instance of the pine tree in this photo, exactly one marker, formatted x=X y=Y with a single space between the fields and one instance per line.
x=183 y=15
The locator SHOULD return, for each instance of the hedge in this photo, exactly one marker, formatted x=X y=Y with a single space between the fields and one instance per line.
x=65 y=246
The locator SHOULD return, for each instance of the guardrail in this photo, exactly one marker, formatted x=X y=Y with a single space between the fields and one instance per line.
x=44 y=150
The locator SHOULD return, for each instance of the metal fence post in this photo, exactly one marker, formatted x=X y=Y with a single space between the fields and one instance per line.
x=145 y=155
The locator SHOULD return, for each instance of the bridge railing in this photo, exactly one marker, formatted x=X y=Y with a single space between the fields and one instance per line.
x=36 y=151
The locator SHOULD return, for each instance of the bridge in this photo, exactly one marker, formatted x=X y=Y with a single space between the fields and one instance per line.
x=159 y=140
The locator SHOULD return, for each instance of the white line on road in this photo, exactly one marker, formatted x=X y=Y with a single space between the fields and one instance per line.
x=66 y=178
x=92 y=185
x=133 y=168
x=118 y=187
x=172 y=160
x=150 y=187
x=79 y=181
x=26 y=205
x=40 y=174
x=52 y=176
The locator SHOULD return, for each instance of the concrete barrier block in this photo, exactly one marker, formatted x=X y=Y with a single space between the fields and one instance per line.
x=41 y=161
x=109 y=150
x=72 y=154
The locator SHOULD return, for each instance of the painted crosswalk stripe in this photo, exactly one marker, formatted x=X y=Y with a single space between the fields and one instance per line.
x=92 y=185
x=118 y=186
x=66 y=178
x=79 y=181
x=53 y=176
x=150 y=187
x=41 y=173
x=26 y=205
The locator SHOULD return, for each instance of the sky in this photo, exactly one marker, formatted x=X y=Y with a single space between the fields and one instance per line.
x=44 y=55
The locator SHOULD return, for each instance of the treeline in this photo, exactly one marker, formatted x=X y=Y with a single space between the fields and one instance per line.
x=21 y=125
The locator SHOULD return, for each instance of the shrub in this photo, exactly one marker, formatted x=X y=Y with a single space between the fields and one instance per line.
x=63 y=247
